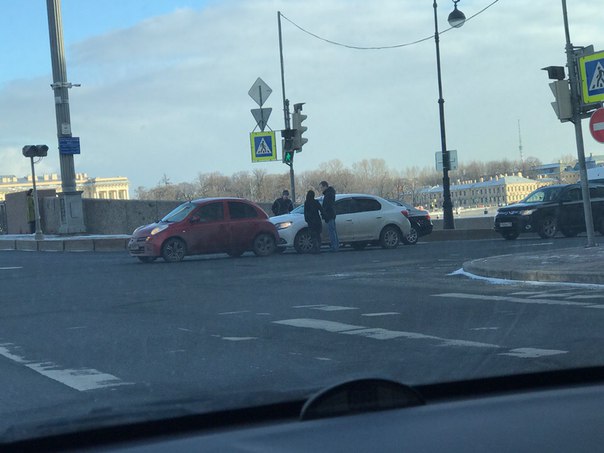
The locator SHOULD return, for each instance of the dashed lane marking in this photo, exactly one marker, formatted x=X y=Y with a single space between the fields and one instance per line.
x=385 y=334
x=81 y=379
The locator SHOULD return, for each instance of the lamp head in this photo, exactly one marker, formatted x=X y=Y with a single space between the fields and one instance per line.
x=456 y=18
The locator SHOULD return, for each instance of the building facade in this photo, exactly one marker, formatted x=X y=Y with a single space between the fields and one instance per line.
x=116 y=188
x=497 y=190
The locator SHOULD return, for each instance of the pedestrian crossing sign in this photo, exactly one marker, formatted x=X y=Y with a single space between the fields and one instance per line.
x=592 y=77
x=263 y=146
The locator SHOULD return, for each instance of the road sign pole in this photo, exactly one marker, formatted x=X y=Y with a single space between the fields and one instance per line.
x=573 y=75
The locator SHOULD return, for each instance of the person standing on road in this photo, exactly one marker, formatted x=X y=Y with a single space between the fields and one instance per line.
x=31 y=211
x=282 y=205
x=312 y=215
x=329 y=214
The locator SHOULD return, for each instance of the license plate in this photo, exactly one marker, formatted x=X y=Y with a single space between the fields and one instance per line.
x=505 y=224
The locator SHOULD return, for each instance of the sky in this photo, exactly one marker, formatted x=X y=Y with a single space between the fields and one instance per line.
x=164 y=84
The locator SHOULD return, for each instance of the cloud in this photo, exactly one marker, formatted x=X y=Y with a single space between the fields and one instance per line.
x=169 y=95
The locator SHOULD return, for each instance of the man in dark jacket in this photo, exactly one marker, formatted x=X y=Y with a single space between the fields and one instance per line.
x=282 y=205
x=329 y=214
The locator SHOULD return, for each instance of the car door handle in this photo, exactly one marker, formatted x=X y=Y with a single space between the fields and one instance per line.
x=349 y=220
x=379 y=217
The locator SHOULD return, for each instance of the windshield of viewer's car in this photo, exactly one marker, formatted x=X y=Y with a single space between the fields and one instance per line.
x=191 y=112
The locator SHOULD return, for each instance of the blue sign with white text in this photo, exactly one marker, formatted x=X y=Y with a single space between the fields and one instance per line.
x=69 y=145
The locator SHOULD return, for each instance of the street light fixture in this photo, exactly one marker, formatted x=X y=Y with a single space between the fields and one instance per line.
x=456 y=19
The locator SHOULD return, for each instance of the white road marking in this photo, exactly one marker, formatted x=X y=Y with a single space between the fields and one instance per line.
x=234 y=312
x=376 y=333
x=326 y=307
x=8 y=268
x=387 y=313
x=532 y=353
x=239 y=338
x=81 y=379
x=323 y=358
x=485 y=328
x=586 y=297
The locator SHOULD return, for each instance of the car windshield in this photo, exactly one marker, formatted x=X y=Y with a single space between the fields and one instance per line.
x=179 y=213
x=544 y=194
x=220 y=118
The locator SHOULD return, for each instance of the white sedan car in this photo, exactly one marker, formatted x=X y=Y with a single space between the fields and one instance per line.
x=360 y=220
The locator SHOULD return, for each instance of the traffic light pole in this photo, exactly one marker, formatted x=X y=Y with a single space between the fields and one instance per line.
x=573 y=76
x=70 y=200
x=38 y=233
x=286 y=118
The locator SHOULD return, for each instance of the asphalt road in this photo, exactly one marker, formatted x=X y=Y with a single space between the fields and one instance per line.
x=96 y=334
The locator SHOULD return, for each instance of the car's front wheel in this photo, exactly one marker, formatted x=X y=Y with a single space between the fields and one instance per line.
x=548 y=227
x=389 y=237
x=303 y=242
x=173 y=250
x=264 y=244
x=412 y=237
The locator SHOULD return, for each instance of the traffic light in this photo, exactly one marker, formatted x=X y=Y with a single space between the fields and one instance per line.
x=287 y=145
x=561 y=89
x=298 y=118
x=35 y=150
x=288 y=156
x=563 y=105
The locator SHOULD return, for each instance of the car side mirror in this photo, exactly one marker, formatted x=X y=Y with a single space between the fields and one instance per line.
x=195 y=219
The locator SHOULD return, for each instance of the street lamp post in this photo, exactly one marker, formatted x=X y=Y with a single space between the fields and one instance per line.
x=456 y=19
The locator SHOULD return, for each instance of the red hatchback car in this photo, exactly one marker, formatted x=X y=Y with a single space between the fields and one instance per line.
x=208 y=225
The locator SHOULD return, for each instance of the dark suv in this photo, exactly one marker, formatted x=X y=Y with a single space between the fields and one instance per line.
x=551 y=209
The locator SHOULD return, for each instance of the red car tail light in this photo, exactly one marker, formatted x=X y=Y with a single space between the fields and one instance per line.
x=405 y=213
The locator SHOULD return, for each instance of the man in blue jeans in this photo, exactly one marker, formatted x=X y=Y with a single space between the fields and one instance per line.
x=329 y=214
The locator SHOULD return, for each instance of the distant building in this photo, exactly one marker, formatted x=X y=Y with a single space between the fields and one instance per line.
x=116 y=188
x=495 y=191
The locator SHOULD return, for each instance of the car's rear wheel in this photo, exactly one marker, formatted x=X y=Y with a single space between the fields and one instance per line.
x=390 y=237
x=173 y=250
x=264 y=244
x=303 y=242
x=359 y=245
x=147 y=259
x=510 y=235
x=412 y=237
x=548 y=227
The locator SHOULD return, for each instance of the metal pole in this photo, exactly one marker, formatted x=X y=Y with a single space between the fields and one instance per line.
x=286 y=118
x=448 y=222
x=38 y=236
x=72 y=218
x=573 y=76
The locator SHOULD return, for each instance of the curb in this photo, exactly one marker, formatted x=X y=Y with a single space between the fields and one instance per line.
x=519 y=269
x=71 y=244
